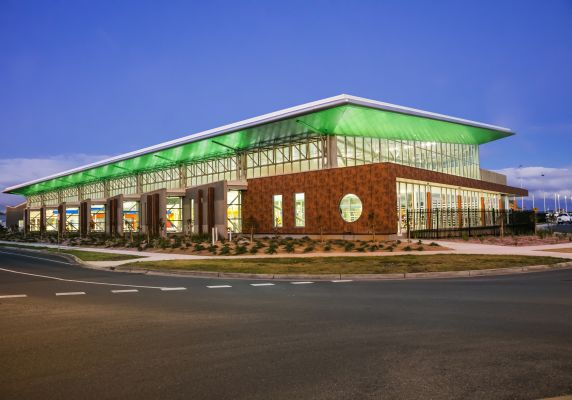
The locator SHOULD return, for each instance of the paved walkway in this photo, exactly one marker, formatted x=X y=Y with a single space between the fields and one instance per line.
x=456 y=248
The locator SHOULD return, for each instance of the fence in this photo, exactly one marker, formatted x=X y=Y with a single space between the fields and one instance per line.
x=443 y=223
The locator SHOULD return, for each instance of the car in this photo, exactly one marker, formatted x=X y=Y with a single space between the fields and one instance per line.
x=564 y=218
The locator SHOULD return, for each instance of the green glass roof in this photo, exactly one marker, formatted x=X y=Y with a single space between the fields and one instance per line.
x=345 y=119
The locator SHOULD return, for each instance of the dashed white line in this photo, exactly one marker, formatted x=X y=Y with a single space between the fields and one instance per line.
x=342 y=281
x=261 y=284
x=219 y=286
x=125 y=291
x=70 y=293
x=12 y=296
x=170 y=289
x=301 y=283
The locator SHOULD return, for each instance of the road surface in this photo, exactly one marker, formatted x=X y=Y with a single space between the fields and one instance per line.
x=71 y=332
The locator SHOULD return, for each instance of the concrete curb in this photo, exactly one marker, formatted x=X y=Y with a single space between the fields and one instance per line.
x=356 y=277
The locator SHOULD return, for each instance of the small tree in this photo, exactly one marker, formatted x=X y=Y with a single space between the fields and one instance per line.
x=320 y=222
x=371 y=223
x=251 y=224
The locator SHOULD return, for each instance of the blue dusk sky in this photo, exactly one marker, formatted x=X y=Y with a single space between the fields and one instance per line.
x=83 y=80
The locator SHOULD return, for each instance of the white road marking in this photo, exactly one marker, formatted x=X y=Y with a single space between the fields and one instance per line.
x=342 y=281
x=125 y=291
x=301 y=283
x=69 y=293
x=261 y=284
x=170 y=289
x=88 y=282
x=219 y=286
x=12 y=296
x=38 y=258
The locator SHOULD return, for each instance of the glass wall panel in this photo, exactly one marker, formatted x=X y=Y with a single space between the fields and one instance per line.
x=72 y=219
x=299 y=210
x=277 y=210
x=35 y=220
x=97 y=218
x=233 y=211
x=415 y=196
x=174 y=214
x=52 y=220
x=456 y=159
x=130 y=216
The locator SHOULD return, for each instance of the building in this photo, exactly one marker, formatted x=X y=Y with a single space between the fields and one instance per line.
x=342 y=165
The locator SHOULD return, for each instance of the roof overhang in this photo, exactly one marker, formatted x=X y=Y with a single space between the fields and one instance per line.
x=343 y=115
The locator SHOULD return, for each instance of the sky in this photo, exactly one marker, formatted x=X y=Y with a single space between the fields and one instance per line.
x=84 y=80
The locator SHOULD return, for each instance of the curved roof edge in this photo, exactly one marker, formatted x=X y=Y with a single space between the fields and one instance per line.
x=265 y=119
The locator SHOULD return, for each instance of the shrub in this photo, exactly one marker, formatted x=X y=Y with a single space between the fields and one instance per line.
x=407 y=248
x=225 y=250
x=199 y=247
x=349 y=246
x=240 y=250
x=212 y=248
x=419 y=248
x=390 y=248
x=289 y=247
x=465 y=237
x=419 y=242
x=373 y=248
x=398 y=241
x=253 y=250
x=272 y=248
x=362 y=248
x=308 y=249
x=434 y=244
x=328 y=246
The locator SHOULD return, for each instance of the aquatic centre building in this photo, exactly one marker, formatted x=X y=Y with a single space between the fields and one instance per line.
x=337 y=166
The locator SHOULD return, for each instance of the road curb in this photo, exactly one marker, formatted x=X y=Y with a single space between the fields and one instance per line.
x=354 y=277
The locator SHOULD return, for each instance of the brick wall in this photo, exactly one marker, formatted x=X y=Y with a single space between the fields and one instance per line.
x=374 y=184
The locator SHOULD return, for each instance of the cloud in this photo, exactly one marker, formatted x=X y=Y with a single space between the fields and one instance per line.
x=541 y=182
x=14 y=171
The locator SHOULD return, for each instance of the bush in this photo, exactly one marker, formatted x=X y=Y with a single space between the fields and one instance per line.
x=349 y=246
x=272 y=249
x=407 y=248
x=212 y=248
x=434 y=244
x=465 y=237
x=327 y=247
x=289 y=247
x=308 y=249
x=199 y=247
x=373 y=248
x=419 y=242
x=420 y=248
x=240 y=250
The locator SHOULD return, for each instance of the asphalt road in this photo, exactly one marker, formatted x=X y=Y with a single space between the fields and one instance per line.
x=507 y=337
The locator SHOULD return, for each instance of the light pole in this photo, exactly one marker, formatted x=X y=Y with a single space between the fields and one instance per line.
x=544 y=193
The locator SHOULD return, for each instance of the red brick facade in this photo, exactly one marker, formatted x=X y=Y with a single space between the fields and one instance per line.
x=374 y=184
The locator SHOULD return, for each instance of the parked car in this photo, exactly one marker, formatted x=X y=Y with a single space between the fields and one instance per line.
x=564 y=218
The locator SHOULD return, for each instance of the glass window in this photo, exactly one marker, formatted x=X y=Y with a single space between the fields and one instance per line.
x=350 y=208
x=299 y=210
x=72 y=219
x=174 y=214
x=35 y=220
x=130 y=216
x=233 y=211
x=52 y=219
x=277 y=207
x=97 y=218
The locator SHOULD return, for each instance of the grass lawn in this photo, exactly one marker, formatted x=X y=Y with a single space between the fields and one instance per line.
x=82 y=255
x=563 y=250
x=352 y=265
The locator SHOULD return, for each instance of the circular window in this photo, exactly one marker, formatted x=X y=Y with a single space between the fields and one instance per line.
x=350 y=208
